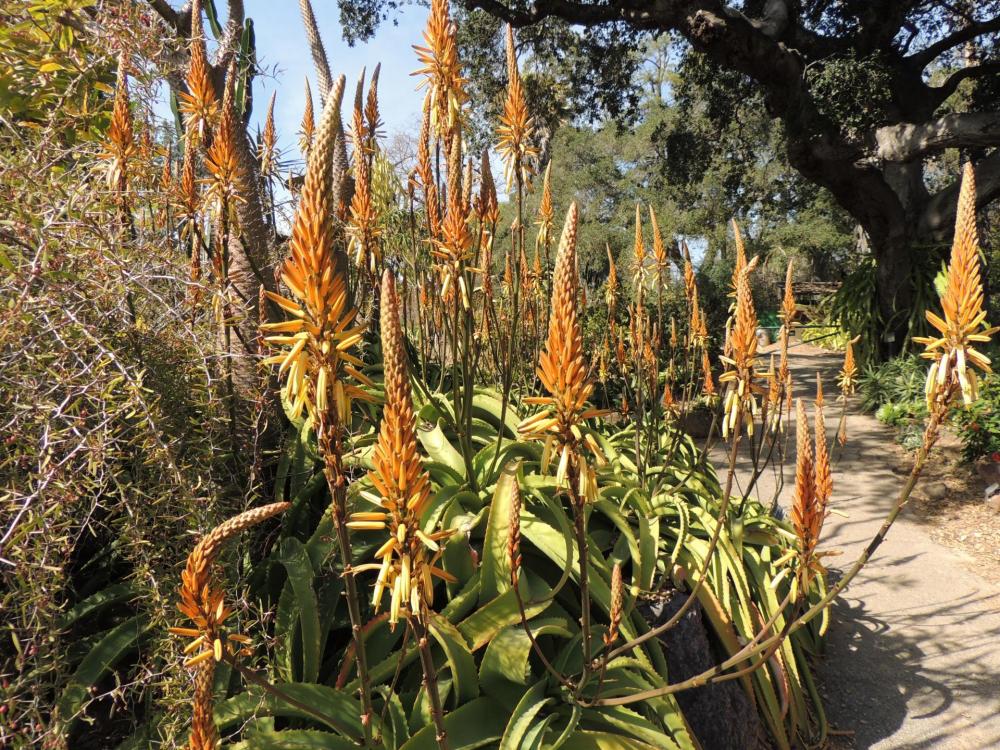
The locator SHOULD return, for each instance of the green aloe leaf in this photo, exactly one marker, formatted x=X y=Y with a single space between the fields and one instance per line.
x=108 y=651
x=294 y=739
x=479 y=723
x=341 y=712
x=494 y=576
x=460 y=660
x=294 y=557
x=524 y=716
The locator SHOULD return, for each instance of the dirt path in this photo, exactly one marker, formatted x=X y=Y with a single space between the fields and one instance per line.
x=913 y=657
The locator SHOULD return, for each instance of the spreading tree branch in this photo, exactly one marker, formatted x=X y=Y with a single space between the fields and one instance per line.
x=907 y=141
x=942 y=92
x=965 y=34
x=938 y=216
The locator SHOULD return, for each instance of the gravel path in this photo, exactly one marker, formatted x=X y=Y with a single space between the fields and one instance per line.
x=913 y=657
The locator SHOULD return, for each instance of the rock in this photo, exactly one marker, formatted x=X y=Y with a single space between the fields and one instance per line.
x=936 y=491
x=988 y=470
x=993 y=497
x=720 y=715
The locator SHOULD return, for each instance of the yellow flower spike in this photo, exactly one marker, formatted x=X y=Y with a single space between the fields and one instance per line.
x=515 y=130
x=315 y=365
x=198 y=104
x=203 y=604
x=964 y=321
x=400 y=480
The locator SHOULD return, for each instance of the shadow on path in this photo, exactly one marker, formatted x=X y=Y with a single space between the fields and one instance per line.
x=913 y=651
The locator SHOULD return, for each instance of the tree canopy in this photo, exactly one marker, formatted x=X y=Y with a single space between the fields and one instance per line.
x=869 y=94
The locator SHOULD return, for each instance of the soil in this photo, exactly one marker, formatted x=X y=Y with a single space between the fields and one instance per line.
x=958 y=518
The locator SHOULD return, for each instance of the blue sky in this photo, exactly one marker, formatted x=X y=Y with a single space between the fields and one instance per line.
x=282 y=51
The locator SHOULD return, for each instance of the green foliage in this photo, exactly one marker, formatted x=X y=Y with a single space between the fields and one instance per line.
x=894 y=391
x=852 y=91
x=978 y=426
x=45 y=64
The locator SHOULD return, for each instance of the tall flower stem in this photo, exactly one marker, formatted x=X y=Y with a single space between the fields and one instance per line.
x=580 y=529
x=508 y=373
x=430 y=681
x=330 y=446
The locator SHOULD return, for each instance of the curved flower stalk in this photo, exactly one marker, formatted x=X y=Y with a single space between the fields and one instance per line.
x=741 y=402
x=964 y=323
x=442 y=71
x=204 y=604
x=515 y=130
x=199 y=104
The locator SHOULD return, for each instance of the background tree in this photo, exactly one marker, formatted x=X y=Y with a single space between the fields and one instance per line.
x=869 y=94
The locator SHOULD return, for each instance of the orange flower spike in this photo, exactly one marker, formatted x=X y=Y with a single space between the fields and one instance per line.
x=426 y=172
x=202 y=602
x=221 y=160
x=848 y=373
x=308 y=127
x=408 y=556
x=487 y=208
x=741 y=257
x=441 y=70
x=564 y=373
x=964 y=323
x=611 y=289
x=708 y=385
x=120 y=133
x=638 y=253
x=788 y=306
x=690 y=285
x=316 y=341
x=741 y=403
x=805 y=516
x=515 y=130
x=453 y=250
x=545 y=211
x=268 y=152
x=373 y=118
x=824 y=477
x=660 y=257
x=199 y=104
x=362 y=228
